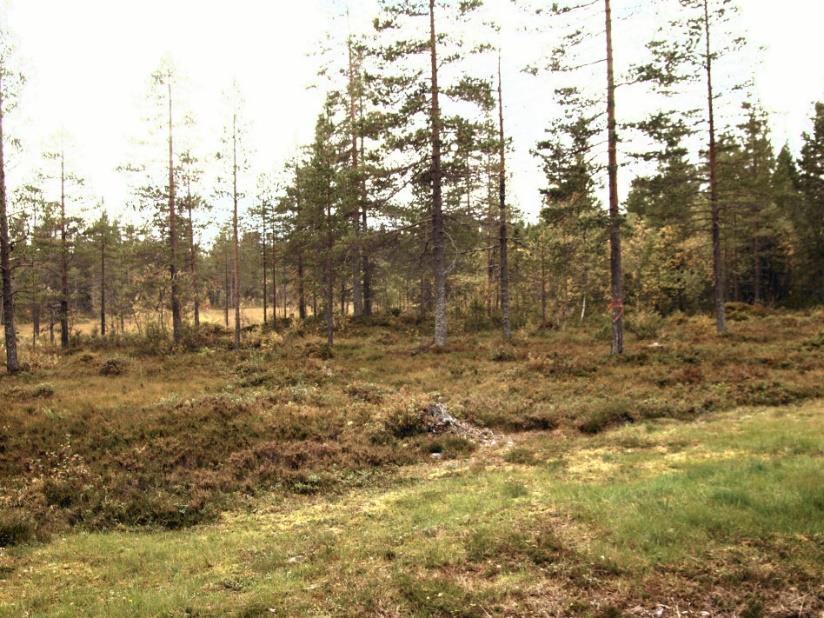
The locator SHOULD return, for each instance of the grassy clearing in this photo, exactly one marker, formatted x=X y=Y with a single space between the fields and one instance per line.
x=116 y=435
x=673 y=519
x=314 y=469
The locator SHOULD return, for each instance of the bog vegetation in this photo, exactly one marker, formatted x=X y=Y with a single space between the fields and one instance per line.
x=223 y=405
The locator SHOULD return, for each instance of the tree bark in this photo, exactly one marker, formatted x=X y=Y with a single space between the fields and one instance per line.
x=12 y=363
x=103 y=281
x=616 y=268
x=717 y=261
x=263 y=258
x=756 y=250
x=193 y=262
x=274 y=274
x=502 y=214
x=301 y=287
x=64 y=260
x=235 y=238
x=226 y=289
x=543 y=283
x=177 y=323
x=439 y=266
x=330 y=282
x=357 y=290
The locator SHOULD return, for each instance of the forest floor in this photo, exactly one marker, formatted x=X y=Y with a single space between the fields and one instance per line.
x=681 y=479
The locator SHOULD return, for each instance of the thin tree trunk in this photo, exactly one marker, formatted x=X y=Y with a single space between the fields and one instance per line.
x=502 y=221
x=756 y=240
x=265 y=273
x=235 y=239
x=357 y=290
x=756 y=250
x=177 y=323
x=717 y=262
x=103 y=282
x=193 y=261
x=616 y=268
x=35 y=323
x=366 y=266
x=226 y=290
x=439 y=265
x=328 y=276
x=301 y=289
x=274 y=275
x=285 y=296
x=12 y=363
x=64 y=260
x=543 y=283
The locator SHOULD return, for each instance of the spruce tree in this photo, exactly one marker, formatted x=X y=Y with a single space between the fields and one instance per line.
x=809 y=215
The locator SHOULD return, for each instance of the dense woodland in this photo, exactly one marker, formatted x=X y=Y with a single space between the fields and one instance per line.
x=400 y=202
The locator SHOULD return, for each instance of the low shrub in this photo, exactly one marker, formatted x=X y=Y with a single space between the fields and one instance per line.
x=521 y=456
x=604 y=415
x=504 y=354
x=450 y=447
x=740 y=312
x=16 y=527
x=113 y=367
x=644 y=325
x=42 y=391
x=366 y=392
x=405 y=419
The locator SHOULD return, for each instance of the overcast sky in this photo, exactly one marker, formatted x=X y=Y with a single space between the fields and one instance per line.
x=87 y=64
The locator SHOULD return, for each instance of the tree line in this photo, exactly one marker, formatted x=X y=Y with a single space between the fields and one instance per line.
x=399 y=203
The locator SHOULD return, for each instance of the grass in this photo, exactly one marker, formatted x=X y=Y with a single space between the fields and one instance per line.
x=207 y=483
x=482 y=536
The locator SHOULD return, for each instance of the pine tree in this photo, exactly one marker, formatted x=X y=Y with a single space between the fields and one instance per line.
x=234 y=156
x=694 y=43
x=418 y=121
x=7 y=83
x=164 y=79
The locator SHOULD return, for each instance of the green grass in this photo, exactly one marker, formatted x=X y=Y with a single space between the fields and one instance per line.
x=734 y=503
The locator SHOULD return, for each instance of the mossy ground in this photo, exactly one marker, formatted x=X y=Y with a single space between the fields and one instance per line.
x=684 y=477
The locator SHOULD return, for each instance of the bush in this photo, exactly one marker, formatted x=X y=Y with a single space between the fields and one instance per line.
x=42 y=391
x=113 y=367
x=405 y=420
x=604 y=415
x=504 y=354
x=153 y=342
x=740 y=312
x=366 y=392
x=521 y=456
x=450 y=447
x=645 y=324
x=16 y=527
x=815 y=343
x=322 y=351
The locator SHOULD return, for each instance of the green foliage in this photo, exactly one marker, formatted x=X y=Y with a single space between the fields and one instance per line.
x=645 y=325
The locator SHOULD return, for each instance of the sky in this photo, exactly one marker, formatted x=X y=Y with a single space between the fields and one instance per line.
x=87 y=64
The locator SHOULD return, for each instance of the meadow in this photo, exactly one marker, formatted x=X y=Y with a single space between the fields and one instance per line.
x=294 y=479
